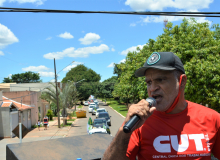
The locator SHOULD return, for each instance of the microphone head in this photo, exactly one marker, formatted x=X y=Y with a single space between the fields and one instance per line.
x=151 y=101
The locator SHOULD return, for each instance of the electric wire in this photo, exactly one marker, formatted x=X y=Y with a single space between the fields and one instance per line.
x=191 y=14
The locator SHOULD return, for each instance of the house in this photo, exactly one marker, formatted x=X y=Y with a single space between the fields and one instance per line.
x=5 y=86
x=11 y=114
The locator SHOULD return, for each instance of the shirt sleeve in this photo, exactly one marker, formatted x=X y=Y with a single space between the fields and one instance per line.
x=133 y=145
x=215 y=149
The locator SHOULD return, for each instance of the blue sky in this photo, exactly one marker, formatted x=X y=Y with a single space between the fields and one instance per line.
x=30 y=41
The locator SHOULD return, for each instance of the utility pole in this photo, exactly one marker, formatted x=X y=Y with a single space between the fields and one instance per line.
x=58 y=109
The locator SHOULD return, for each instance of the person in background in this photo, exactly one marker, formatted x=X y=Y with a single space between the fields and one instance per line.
x=45 y=122
x=38 y=125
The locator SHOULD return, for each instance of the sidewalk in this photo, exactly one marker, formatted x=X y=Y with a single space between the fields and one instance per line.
x=52 y=132
x=79 y=127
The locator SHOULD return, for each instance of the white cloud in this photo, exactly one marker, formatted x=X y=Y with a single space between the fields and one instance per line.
x=122 y=61
x=112 y=49
x=80 y=52
x=52 y=80
x=160 y=19
x=47 y=74
x=6 y=36
x=1 y=53
x=48 y=38
x=65 y=35
x=71 y=66
x=111 y=65
x=38 y=2
x=89 y=38
x=159 y=5
x=131 y=49
x=36 y=69
x=9 y=76
x=1 y=2
x=133 y=24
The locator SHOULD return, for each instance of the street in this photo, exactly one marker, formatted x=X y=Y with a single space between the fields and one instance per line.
x=79 y=127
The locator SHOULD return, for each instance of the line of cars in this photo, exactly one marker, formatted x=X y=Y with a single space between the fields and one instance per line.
x=103 y=120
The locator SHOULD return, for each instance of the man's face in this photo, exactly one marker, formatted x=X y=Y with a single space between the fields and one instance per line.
x=163 y=86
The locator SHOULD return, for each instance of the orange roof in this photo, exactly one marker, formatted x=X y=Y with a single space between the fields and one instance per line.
x=6 y=104
x=19 y=106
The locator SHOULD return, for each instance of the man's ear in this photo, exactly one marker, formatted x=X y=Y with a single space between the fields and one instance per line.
x=184 y=79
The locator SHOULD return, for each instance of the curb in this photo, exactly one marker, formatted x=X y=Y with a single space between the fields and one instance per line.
x=114 y=110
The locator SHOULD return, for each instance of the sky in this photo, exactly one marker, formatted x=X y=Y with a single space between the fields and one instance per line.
x=31 y=41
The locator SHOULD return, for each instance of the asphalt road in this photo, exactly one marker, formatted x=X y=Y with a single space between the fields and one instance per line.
x=116 y=119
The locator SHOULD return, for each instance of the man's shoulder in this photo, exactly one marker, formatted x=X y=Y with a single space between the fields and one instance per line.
x=195 y=107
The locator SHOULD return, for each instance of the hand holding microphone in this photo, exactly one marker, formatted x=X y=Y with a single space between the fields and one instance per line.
x=145 y=112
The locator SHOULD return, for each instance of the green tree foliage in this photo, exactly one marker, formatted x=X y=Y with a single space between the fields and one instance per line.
x=7 y=80
x=117 y=70
x=27 y=77
x=68 y=96
x=197 y=45
x=50 y=114
x=107 y=86
x=86 y=87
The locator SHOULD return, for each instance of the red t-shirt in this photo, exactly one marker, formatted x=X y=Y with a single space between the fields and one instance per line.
x=191 y=134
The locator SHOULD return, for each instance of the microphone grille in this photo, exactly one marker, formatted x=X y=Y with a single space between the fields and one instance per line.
x=151 y=101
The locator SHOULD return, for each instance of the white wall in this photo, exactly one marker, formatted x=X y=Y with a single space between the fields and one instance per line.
x=13 y=121
x=5 y=122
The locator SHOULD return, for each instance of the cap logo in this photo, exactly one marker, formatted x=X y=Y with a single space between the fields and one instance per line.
x=154 y=58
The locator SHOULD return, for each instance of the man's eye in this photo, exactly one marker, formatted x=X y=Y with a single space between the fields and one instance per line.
x=148 y=82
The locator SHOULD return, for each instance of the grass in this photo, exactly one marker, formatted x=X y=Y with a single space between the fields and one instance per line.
x=80 y=106
x=120 y=108
x=71 y=120
x=67 y=124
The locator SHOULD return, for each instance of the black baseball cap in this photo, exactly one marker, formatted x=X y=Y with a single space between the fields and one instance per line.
x=163 y=61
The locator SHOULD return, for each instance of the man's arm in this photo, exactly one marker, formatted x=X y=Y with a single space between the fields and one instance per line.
x=118 y=147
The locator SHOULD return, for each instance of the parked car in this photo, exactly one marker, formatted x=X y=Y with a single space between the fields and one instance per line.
x=100 y=110
x=86 y=103
x=101 y=123
x=91 y=108
x=106 y=116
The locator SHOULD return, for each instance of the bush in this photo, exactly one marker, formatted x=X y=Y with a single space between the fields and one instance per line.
x=50 y=114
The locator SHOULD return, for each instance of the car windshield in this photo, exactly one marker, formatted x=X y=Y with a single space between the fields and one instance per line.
x=99 y=122
x=103 y=116
x=91 y=106
x=101 y=110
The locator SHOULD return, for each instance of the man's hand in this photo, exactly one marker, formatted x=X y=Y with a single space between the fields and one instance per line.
x=141 y=109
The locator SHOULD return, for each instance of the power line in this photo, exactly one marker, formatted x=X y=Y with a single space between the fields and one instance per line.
x=191 y=14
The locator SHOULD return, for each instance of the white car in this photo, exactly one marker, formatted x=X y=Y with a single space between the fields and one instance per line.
x=100 y=110
x=97 y=130
x=86 y=103
x=97 y=106
x=91 y=108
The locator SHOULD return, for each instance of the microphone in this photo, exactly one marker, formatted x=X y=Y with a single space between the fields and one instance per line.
x=135 y=119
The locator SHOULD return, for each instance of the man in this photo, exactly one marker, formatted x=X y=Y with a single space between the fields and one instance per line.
x=172 y=129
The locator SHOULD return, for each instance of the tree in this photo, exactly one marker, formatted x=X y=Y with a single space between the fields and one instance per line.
x=68 y=96
x=198 y=47
x=107 y=86
x=89 y=84
x=27 y=77
x=7 y=80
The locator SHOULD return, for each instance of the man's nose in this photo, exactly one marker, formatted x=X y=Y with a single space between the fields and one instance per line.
x=154 y=86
